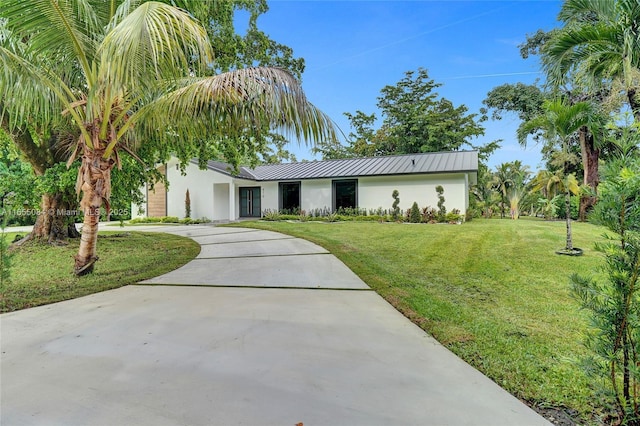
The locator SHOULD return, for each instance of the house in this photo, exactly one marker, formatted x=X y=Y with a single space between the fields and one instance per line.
x=219 y=194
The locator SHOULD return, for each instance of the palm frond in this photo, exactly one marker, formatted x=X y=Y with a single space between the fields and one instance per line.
x=30 y=93
x=239 y=101
x=155 y=41
x=66 y=29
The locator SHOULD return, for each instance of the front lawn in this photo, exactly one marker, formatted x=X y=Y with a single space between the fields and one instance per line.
x=492 y=291
x=43 y=274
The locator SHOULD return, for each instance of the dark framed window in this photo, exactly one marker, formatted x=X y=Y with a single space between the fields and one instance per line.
x=250 y=201
x=289 y=195
x=345 y=193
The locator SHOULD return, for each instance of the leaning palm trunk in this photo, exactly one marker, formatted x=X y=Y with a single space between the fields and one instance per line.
x=94 y=180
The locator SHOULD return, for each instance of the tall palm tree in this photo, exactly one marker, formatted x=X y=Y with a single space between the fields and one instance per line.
x=124 y=71
x=599 y=44
x=600 y=41
x=558 y=123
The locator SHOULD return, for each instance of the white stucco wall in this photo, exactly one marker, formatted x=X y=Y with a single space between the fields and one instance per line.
x=375 y=192
x=201 y=184
x=315 y=194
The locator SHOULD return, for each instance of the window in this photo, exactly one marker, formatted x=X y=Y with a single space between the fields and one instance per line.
x=345 y=194
x=289 y=196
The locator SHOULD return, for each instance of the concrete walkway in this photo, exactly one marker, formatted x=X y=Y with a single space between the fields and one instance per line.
x=260 y=329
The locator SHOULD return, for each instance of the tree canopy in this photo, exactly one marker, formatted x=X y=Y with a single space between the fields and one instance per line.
x=414 y=119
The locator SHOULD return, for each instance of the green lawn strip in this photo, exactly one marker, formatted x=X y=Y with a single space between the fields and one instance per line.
x=492 y=291
x=42 y=273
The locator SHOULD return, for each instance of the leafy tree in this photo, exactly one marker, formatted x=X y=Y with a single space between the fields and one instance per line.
x=275 y=152
x=525 y=100
x=415 y=119
x=420 y=121
x=44 y=140
x=614 y=305
x=557 y=124
x=134 y=69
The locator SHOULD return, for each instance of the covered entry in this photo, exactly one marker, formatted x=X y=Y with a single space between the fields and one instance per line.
x=250 y=201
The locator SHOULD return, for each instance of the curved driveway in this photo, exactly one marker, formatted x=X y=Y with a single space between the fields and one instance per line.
x=260 y=329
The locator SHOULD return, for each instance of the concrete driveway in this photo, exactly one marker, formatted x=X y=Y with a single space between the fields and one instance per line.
x=260 y=329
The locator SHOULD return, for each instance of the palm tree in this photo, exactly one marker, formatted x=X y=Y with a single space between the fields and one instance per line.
x=502 y=182
x=600 y=41
x=126 y=71
x=599 y=44
x=519 y=176
x=550 y=185
x=558 y=123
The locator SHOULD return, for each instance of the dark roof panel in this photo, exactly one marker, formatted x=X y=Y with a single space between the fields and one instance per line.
x=433 y=162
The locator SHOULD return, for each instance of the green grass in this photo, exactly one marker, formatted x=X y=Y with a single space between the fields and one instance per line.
x=492 y=291
x=42 y=273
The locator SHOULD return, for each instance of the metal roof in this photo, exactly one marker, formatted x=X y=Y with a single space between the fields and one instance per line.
x=433 y=162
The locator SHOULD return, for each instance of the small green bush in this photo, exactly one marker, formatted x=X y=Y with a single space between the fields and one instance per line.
x=414 y=214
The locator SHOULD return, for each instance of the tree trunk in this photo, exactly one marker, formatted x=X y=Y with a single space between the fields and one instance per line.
x=590 y=159
x=567 y=206
x=55 y=222
x=94 y=179
x=634 y=103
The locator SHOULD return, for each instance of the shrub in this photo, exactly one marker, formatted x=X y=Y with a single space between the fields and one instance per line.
x=396 y=201
x=331 y=217
x=429 y=214
x=187 y=205
x=615 y=304
x=271 y=215
x=414 y=214
x=442 y=210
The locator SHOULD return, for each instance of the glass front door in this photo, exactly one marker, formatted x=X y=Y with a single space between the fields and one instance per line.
x=250 y=202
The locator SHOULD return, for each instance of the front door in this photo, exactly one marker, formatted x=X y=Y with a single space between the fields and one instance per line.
x=250 y=202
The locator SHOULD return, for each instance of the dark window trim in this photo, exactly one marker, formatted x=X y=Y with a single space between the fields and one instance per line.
x=333 y=191
x=281 y=183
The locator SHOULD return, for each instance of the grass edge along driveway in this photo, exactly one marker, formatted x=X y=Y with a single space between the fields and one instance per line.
x=42 y=273
x=492 y=291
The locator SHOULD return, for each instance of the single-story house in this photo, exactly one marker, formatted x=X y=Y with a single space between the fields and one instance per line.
x=219 y=194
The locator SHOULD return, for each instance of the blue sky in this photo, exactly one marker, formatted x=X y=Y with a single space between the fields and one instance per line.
x=353 y=49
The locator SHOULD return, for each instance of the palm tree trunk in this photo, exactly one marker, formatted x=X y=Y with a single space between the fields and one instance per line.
x=567 y=206
x=590 y=159
x=94 y=180
x=634 y=103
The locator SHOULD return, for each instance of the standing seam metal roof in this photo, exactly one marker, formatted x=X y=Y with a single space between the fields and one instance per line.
x=433 y=162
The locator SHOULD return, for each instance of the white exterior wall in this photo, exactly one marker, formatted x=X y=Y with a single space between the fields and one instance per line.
x=270 y=196
x=375 y=192
x=202 y=185
x=315 y=194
